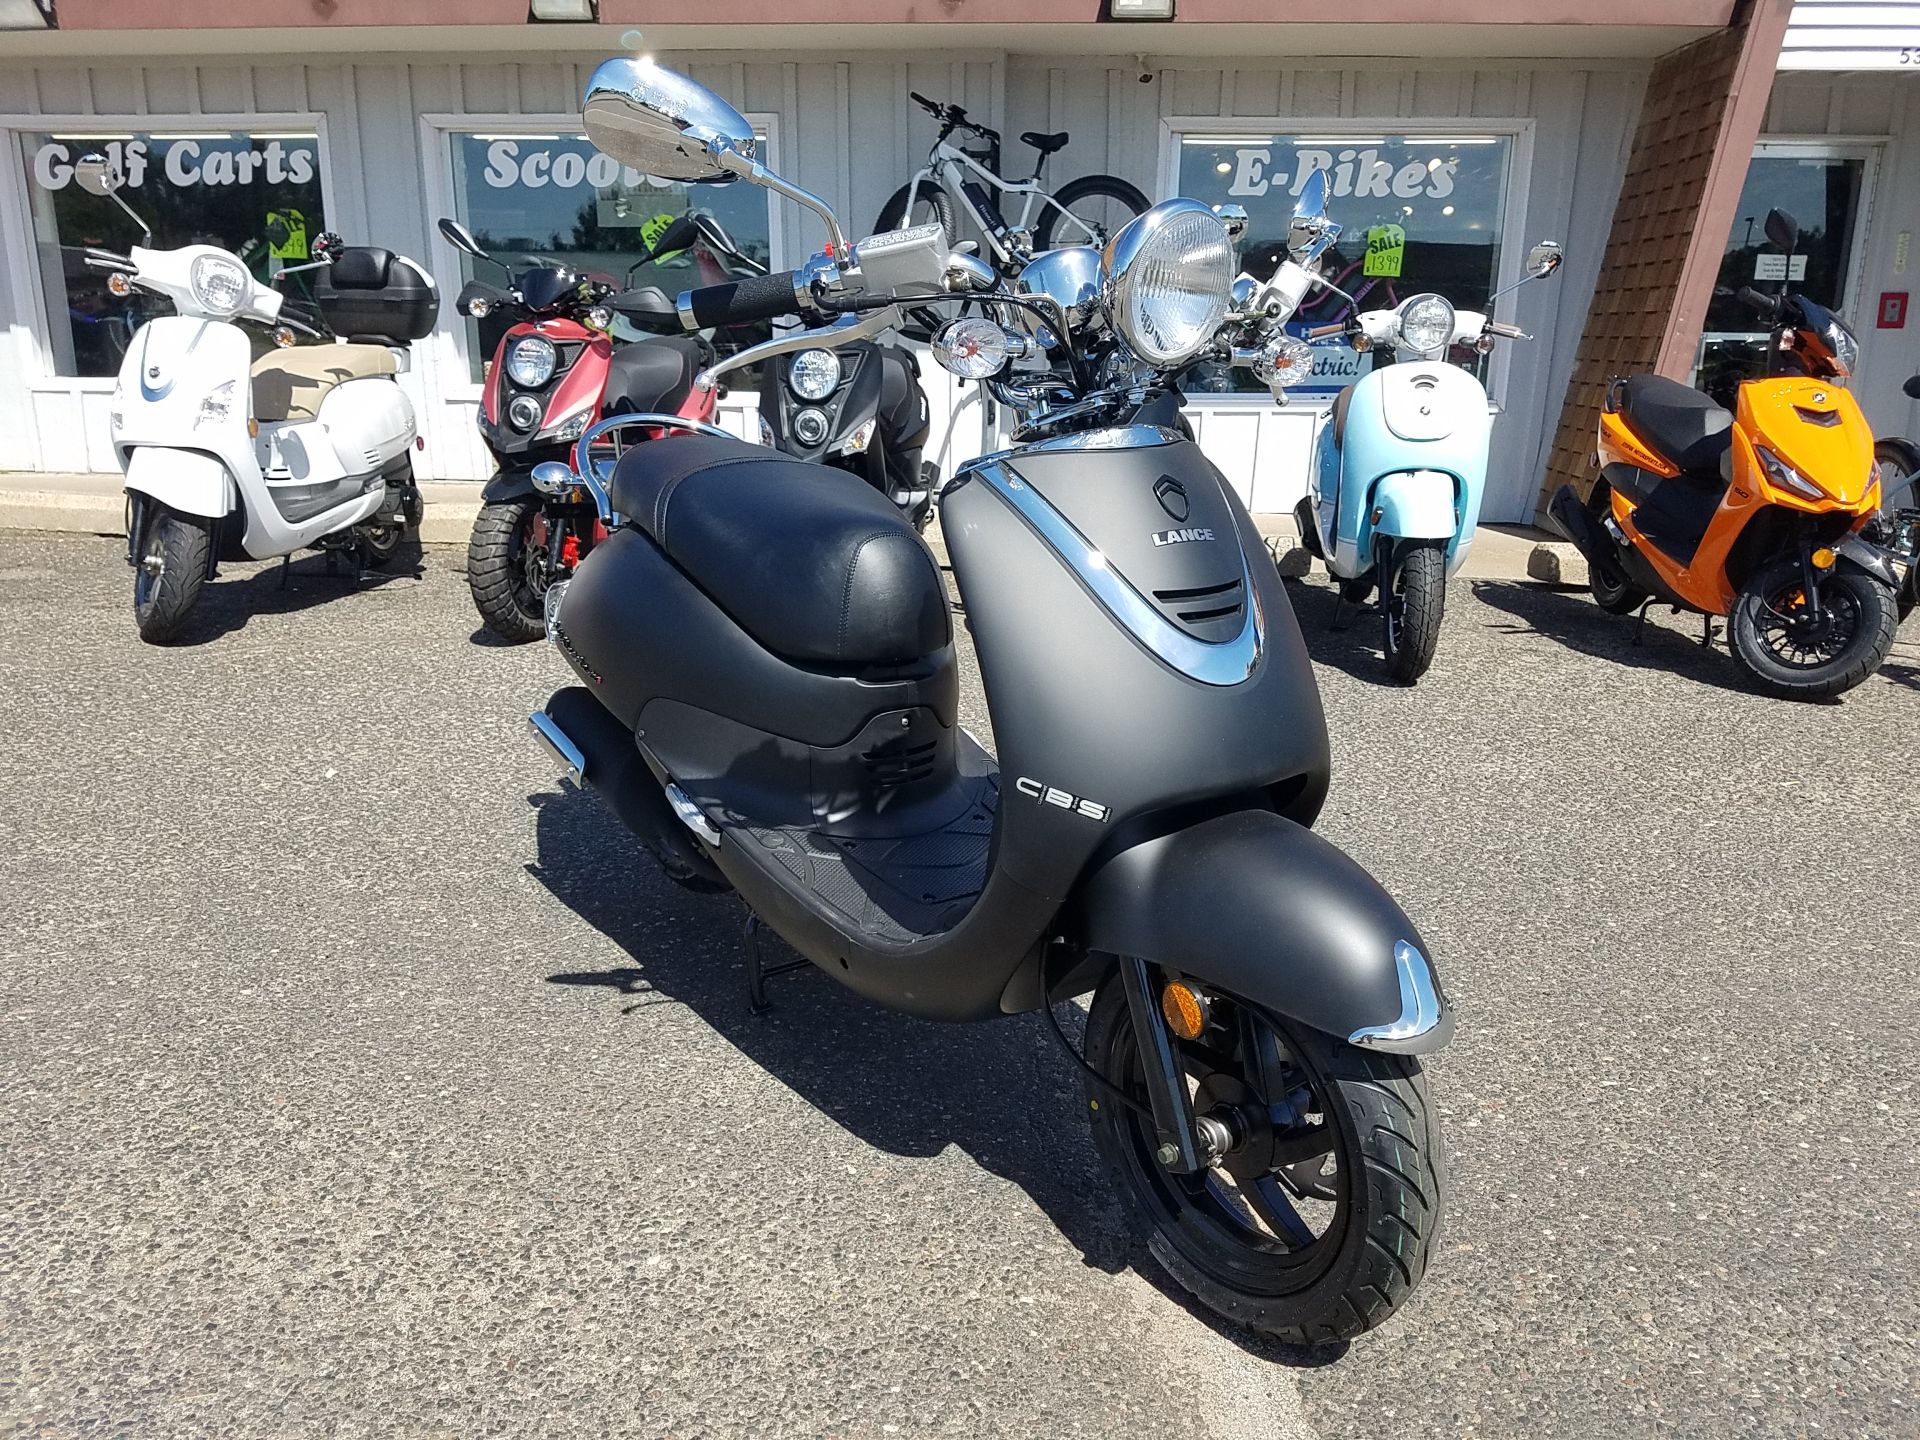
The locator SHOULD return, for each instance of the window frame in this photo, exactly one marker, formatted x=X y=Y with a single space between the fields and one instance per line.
x=29 y=289
x=1518 y=130
x=452 y=361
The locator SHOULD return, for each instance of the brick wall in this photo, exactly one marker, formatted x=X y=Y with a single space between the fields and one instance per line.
x=1704 y=108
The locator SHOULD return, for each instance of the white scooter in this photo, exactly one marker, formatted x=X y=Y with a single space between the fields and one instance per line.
x=230 y=457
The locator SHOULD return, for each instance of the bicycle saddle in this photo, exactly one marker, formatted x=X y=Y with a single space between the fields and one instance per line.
x=1046 y=144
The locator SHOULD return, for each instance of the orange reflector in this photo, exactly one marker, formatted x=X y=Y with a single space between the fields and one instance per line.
x=253 y=429
x=1186 y=1012
x=1823 y=558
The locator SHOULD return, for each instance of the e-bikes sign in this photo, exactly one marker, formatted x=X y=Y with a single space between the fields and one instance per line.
x=184 y=163
x=1359 y=171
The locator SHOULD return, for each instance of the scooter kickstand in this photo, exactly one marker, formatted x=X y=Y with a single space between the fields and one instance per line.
x=1706 y=629
x=757 y=971
x=1640 y=630
x=286 y=561
x=1339 y=604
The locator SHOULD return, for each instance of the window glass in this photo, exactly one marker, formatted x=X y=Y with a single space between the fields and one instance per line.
x=257 y=195
x=533 y=199
x=1417 y=213
x=1823 y=194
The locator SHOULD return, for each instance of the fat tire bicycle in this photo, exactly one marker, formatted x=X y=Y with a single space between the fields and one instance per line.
x=1104 y=202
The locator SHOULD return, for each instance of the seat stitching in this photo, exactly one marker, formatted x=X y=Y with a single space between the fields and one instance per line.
x=667 y=488
x=846 y=594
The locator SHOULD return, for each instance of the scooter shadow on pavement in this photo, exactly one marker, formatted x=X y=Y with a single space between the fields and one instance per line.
x=1354 y=648
x=1572 y=619
x=226 y=605
x=1003 y=1092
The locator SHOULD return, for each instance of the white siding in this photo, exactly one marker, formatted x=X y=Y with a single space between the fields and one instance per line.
x=846 y=129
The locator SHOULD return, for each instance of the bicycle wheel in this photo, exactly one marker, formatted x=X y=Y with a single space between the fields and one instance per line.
x=931 y=205
x=1087 y=211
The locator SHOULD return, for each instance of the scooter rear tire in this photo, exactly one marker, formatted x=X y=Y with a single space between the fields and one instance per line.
x=1612 y=591
x=1388 y=1176
x=181 y=546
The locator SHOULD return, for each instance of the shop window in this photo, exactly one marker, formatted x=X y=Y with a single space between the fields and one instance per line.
x=255 y=194
x=533 y=199
x=1418 y=213
x=1821 y=189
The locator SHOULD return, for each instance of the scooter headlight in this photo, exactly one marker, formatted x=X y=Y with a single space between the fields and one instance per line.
x=1426 y=324
x=814 y=373
x=1785 y=476
x=1166 y=279
x=219 y=285
x=1846 y=349
x=532 y=361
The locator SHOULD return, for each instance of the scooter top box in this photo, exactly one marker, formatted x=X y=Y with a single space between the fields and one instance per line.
x=374 y=296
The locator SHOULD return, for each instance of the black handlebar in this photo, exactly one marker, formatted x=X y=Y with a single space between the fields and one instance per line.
x=1766 y=306
x=740 y=302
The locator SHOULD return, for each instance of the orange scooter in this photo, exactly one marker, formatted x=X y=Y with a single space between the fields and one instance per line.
x=1754 y=515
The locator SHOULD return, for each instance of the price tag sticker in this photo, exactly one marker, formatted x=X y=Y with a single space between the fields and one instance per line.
x=1386 y=251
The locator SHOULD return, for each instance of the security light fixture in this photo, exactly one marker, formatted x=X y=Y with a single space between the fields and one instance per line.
x=564 y=11
x=1140 y=9
x=27 y=15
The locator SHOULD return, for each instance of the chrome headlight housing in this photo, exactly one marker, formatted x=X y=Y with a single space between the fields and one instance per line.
x=1166 y=279
x=1426 y=324
x=813 y=374
x=1846 y=349
x=1070 y=277
x=220 y=285
x=532 y=361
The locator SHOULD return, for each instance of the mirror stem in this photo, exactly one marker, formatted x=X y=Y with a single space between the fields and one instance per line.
x=146 y=231
x=756 y=173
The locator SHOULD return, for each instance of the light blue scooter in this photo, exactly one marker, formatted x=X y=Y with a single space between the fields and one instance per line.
x=1400 y=463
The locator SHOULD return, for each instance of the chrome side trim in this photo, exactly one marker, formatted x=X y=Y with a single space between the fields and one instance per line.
x=1425 y=1022
x=1114 y=437
x=692 y=816
x=560 y=744
x=596 y=478
x=1228 y=662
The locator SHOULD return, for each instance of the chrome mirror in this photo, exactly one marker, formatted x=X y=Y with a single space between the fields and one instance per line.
x=665 y=124
x=550 y=477
x=96 y=174
x=1311 y=232
x=1544 y=258
x=461 y=238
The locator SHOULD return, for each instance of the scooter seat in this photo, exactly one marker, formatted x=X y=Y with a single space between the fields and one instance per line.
x=652 y=375
x=289 y=384
x=812 y=562
x=1678 y=421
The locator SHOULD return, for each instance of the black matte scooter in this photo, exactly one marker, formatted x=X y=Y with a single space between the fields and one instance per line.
x=768 y=697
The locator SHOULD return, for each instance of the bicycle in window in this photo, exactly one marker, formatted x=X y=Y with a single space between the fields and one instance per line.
x=1082 y=212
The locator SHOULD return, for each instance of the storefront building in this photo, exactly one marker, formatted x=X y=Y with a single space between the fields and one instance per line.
x=1451 y=147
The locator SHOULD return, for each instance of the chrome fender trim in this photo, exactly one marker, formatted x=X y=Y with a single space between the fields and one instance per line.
x=1421 y=1009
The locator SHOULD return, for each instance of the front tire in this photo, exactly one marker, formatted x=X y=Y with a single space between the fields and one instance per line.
x=1316 y=1247
x=505 y=573
x=1103 y=203
x=1413 y=598
x=931 y=204
x=1794 y=652
x=1612 y=591
x=175 y=556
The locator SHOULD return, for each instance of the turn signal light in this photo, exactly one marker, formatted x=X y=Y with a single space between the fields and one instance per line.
x=1185 y=1009
x=1823 y=558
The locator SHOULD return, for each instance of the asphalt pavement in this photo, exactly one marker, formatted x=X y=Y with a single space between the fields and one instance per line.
x=357 y=1076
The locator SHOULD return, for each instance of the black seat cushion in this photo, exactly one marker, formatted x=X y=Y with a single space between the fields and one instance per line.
x=812 y=562
x=360 y=267
x=1678 y=421
x=1046 y=144
x=651 y=375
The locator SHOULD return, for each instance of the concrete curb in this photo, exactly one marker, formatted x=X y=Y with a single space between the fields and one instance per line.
x=96 y=505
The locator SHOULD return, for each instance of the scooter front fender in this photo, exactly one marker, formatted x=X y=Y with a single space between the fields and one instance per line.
x=509 y=484
x=1268 y=910
x=189 y=481
x=1416 y=505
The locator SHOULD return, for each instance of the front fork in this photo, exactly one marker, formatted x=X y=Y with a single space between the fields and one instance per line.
x=1173 y=1119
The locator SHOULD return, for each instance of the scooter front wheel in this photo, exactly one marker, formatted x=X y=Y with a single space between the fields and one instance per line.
x=1413 y=597
x=1317 y=1222
x=167 y=576
x=1798 y=650
x=505 y=571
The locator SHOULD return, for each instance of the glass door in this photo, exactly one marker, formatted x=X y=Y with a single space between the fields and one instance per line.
x=1823 y=187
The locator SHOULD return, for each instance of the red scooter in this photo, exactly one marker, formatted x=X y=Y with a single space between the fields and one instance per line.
x=556 y=371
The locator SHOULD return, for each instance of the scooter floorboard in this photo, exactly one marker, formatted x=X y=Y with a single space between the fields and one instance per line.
x=895 y=889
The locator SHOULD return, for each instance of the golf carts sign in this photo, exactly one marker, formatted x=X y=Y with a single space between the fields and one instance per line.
x=184 y=162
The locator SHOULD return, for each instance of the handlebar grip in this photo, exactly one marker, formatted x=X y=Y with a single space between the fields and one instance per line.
x=1320 y=332
x=739 y=302
x=1758 y=303
x=1508 y=332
